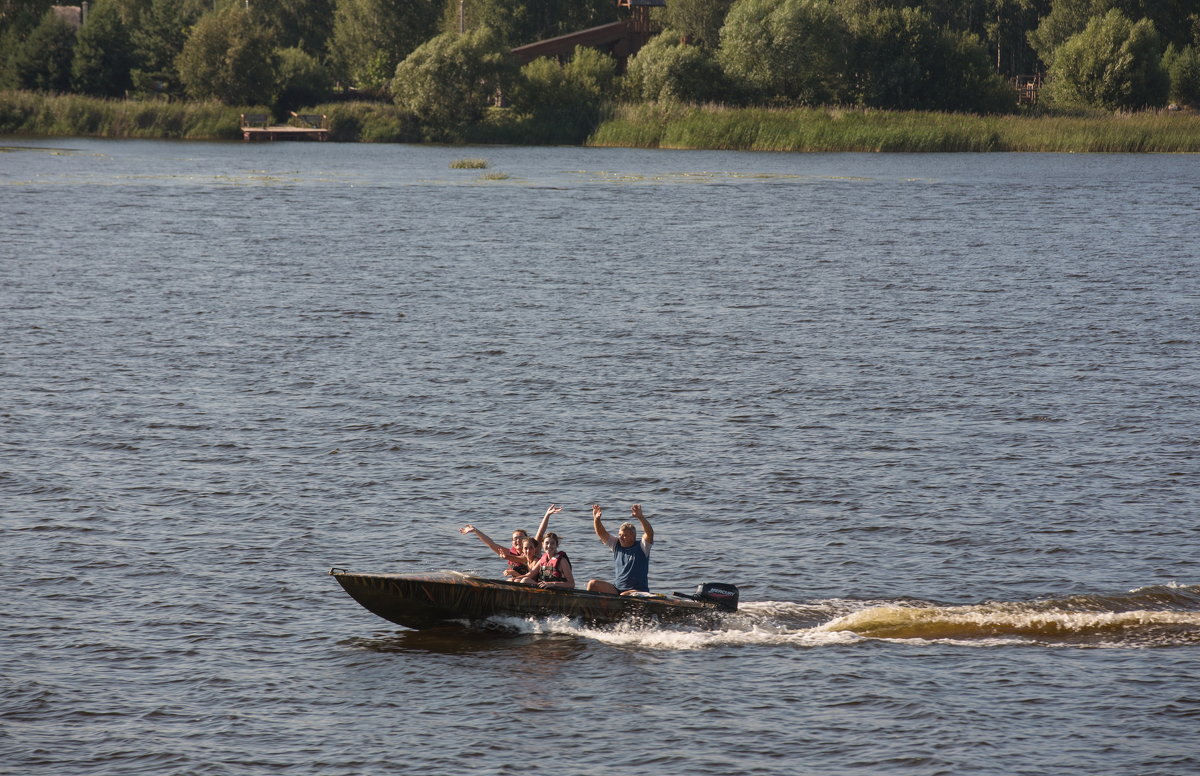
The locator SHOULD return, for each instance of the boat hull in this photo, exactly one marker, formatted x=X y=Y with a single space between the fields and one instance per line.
x=421 y=601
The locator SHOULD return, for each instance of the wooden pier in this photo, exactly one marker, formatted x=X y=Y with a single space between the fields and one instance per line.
x=257 y=126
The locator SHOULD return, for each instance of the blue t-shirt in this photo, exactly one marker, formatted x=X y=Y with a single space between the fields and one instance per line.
x=631 y=565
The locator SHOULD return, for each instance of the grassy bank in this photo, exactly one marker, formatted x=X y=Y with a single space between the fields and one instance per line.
x=72 y=115
x=638 y=126
x=25 y=113
x=822 y=129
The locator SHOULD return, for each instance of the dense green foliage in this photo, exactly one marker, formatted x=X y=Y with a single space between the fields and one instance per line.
x=901 y=59
x=902 y=55
x=786 y=50
x=228 y=58
x=668 y=69
x=524 y=21
x=303 y=80
x=449 y=80
x=159 y=30
x=1183 y=70
x=699 y=22
x=1113 y=63
x=567 y=98
x=371 y=37
x=43 y=61
x=103 y=53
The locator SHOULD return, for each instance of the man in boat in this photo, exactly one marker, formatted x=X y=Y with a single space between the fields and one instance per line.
x=631 y=557
x=517 y=565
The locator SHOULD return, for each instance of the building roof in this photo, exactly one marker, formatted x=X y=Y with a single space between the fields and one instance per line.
x=71 y=14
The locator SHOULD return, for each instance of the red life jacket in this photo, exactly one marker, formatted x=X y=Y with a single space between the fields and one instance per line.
x=549 y=570
x=518 y=566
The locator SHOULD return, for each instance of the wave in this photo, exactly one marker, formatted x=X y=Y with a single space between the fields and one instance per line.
x=1160 y=616
x=962 y=623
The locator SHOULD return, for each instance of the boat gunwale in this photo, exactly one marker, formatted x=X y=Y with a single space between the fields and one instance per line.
x=592 y=606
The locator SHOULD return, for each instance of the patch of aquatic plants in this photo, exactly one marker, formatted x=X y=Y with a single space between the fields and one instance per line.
x=469 y=164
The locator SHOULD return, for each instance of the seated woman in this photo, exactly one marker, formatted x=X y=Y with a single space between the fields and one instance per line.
x=553 y=569
x=517 y=567
x=531 y=550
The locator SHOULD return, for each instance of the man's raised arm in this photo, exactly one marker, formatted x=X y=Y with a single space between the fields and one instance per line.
x=647 y=531
x=599 y=526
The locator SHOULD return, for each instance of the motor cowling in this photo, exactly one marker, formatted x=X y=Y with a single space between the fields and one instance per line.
x=724 y=595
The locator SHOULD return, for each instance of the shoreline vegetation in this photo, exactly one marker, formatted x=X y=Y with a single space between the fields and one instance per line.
x=641 y=125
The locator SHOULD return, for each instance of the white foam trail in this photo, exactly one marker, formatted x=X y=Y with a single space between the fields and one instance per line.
x=670 y=639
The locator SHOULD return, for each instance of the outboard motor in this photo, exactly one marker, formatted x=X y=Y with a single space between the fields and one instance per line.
x=725 y=596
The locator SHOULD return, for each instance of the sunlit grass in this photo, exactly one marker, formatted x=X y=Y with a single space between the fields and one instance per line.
x=73 y=114
x=469 y=164
x=665 y=125
x=835 y=129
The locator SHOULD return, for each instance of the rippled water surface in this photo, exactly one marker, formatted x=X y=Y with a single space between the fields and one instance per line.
x=936 y=415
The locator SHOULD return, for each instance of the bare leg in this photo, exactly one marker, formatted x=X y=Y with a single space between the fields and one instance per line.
x=600 y=586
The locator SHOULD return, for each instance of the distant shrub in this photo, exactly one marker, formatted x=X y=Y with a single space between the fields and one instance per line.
x=1113 y=64
x=371 y=122
x=666 y=69
x=1183 y=67
x=302 y=80
x=449 y=80
x=565 y=102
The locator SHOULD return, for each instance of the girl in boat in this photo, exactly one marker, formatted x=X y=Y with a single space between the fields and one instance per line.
x=517 y=565
x=553 y=569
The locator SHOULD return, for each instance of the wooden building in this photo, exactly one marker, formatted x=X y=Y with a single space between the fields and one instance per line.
x=621 y=40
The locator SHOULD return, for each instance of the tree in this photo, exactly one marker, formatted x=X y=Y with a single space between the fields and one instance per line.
x=1066 y=19
x=302 y=24
x=449 y=80
x=23 y=15
x=1114 y=64
x=43 y=63
x=158 y=33
x=699 y=21
x=371 y=37
x=568 y=98
x=1183 y=68
x=228 y=58
x=103 y=53
x=17 y=19
x=525 y=21
x=902 y=60
x=1173 y=19
x=1006 y=33
x=785 y=49
x=666 y=69
x=303 y=80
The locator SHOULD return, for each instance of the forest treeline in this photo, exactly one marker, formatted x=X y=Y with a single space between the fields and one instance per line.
x=444 y=63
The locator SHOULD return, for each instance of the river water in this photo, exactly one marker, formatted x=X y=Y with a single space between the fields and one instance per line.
x=936 y=415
